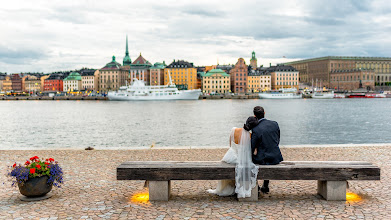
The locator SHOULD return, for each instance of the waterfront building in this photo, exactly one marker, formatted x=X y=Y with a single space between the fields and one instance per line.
x=2 y=78
x=96 y=80
x=258 y=80
x=320 y=68
x=73 y=82
x=239 y=75
x=140 y=69
x=157 y=74
x=352 y=79
x=265 y=83
x=54 y=82
x=283 y=77
x=253 y=61
x=183 y=74
x=32 y=83
x=7 y=84
x=112 y=76
x=87 y=79
x=17 y=82
x=215 y=81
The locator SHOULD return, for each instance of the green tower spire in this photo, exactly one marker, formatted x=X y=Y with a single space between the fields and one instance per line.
x=253 y=56
x=127 y=61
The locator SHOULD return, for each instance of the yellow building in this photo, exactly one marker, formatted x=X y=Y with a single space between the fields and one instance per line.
x=284 y=77
x=253 y=82
x=7 y=84
x=215 y=81
x=183 y=74
x=258 y=80
x=32 y=84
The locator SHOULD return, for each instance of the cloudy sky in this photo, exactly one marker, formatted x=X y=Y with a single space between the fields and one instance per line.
x=55 y=35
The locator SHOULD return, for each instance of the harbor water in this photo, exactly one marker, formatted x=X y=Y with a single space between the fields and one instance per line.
x=111 y=124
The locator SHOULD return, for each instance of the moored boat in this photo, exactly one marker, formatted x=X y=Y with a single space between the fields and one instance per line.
x=138 y=91
x=290 y=93
x=323 y=95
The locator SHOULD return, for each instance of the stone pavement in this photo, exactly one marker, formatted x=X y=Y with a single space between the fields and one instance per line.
x=91 y=190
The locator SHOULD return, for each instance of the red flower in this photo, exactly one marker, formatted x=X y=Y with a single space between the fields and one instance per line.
x=14 y=165
x=46 y=163
x=34 y=158
x=38 y=166
x=27 y=163
x=32 y=170
x=51 y=159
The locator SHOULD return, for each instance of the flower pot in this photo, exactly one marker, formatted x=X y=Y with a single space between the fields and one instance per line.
x=35 y=187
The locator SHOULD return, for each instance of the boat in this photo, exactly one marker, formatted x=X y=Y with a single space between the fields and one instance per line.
x=387 y=94
x=290 y=93
x=323 y=95
x=360 y=95
x=339 y=95
x=306 y=94
x=138 y=91
x=366 y=95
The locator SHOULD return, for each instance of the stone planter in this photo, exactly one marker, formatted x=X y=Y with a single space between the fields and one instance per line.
x=35 y=187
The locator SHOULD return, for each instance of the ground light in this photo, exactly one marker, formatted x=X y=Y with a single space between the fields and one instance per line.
x=352 y=197
x=140 y=198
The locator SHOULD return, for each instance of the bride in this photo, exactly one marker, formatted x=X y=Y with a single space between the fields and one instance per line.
x=239 y=153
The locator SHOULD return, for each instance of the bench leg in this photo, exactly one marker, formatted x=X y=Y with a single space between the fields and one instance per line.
x=254 y=196
x=332 y=190
x=159 y=190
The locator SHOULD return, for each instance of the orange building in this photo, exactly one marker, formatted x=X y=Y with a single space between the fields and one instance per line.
x=183 y=74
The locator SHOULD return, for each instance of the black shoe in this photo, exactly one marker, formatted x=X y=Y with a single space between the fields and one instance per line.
x=265 y=190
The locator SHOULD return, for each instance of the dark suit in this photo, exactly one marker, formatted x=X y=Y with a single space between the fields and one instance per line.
x=265 y=138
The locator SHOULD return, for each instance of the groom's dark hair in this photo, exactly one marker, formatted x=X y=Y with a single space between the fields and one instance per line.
x=259 y=112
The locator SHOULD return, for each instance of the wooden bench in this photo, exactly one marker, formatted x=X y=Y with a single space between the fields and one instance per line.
x=332 y=176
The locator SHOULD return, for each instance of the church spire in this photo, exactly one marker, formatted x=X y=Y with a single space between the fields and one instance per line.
x=127 y=50
x=127 y=61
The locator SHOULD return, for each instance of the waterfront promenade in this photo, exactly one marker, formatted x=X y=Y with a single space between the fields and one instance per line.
x=91 y=190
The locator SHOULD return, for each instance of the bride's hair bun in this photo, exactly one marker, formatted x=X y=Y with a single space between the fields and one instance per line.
x=246 y=127
x=251 y=123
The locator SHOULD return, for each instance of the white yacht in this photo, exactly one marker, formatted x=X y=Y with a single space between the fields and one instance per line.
x=322 y=95
x=139 y=91
x=290 y=93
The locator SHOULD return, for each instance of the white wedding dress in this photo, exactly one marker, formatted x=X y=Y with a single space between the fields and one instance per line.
x=245 y=171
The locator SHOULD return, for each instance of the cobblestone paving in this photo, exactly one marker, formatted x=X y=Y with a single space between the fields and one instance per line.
x=91 y=190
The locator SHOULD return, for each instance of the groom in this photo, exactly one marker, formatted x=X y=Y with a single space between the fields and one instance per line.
x=265 y=139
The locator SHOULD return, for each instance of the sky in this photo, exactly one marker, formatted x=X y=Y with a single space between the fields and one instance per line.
x=53 y=35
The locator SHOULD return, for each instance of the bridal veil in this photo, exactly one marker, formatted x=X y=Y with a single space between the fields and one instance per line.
x=245 y=171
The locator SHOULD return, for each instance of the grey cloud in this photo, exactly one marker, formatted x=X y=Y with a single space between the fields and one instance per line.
x=204 y=12
x=20 y=55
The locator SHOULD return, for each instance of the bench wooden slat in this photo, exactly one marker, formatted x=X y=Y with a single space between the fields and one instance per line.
x=216 y=170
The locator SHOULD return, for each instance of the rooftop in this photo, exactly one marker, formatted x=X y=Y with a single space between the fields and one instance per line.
x=180 y=64
x=141 y=61
x=112 y=65
x=215 y=71
x=341 y=58
x=73 y=76
x=281 y=68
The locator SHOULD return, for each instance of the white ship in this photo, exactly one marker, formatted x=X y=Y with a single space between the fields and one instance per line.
x=290 y=93
x=138 y=91
x=322 y=95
